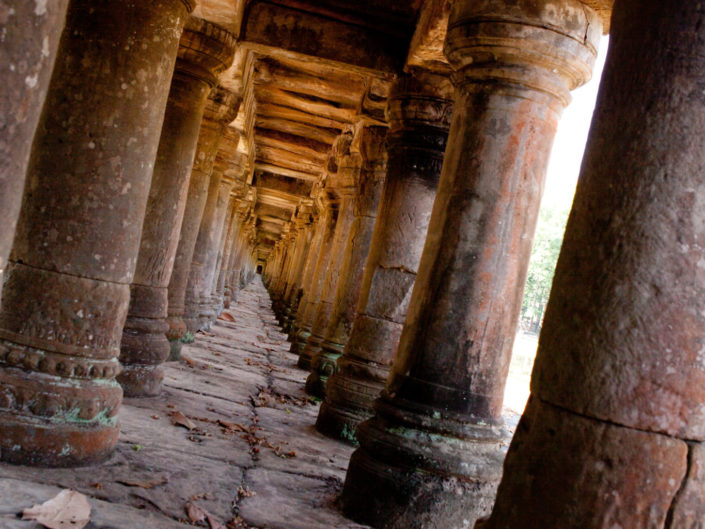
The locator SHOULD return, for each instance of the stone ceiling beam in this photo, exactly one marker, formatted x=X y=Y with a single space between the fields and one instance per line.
x=284 y=171
x=274 y=110
x=310 y=105
x=287 y=160
x=320 y=134
x=277 y=26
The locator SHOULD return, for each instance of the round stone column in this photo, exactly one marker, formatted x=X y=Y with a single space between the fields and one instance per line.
x=227 y=244
x=431 y=456
x=301 y=330
x=67 y=283
x=619 y=381
x=219 y=112
x=198 y=311
x=420 y=108
x=30 y=37
x=205 y=51
x=371 y=145
x=303 y=242
x=288 y=239
x=345 y=197
x=310 y=260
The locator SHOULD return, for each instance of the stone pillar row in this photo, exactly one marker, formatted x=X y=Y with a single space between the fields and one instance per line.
x=100 y=225
x=205 y=51
x=613 y=434
x=419 y=110
x=78 y=235
x=432 y=454
x=369 y=175
x=344 y=170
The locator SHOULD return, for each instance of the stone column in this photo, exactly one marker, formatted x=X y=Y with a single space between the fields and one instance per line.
x=227 y=244
x=67 y=283
x=219 y=112
x=30 y=37
x=303 y=242
x=431 y=456
x=419 y=111
x=301 y=330
x=613 y=432
x=370 y=143
x=198 y=311
x=310 y=260
x=279 y=284
x=205 y=51
x=232 y=282
x=345 y=196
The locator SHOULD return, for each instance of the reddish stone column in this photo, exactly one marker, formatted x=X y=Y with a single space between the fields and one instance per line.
x=303 y=242
x=301 y=329
x=432 y=454
x=219 y=113
x=419 y=110
x=205 y=51
x=227 y=242
x=67 y=284
x=30 y=37
x=288 y=239
x=198 y=311
x=370 y=143
x=310 y=260
x=619 y=381
x=232 y=281
x=344 y=196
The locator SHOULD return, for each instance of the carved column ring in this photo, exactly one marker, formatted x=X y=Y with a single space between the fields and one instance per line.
x=544 y=45
x=205 y=50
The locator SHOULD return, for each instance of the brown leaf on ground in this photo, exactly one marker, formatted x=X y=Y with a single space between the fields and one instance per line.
x=67 y=509
x=235 y=427
x=225 y=316
x=214 y=524
x=195 y=513
x=145 y=484
x=179 y=419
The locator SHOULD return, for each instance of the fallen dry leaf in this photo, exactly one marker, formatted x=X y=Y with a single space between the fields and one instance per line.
x=67 y=509
x=179 y=419
x=195 y=513
x=149 y=484
x=226 y=317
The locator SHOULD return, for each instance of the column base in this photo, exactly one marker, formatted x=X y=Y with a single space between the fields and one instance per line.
x=310 y=350
x=44 y=443
x=412 y=477
x=340 y=424
x=144 y=348
x=299 y=340
x=323 y=366
x=349 y=400
x=141 y=380
x=175 y=335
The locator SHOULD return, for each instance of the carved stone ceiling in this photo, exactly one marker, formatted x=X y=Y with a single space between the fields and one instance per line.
x=310 y=69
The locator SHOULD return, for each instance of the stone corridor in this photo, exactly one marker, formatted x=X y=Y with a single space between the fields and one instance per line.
x=253 y=458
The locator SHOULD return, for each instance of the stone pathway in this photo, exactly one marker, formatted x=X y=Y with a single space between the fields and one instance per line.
x=252 y=460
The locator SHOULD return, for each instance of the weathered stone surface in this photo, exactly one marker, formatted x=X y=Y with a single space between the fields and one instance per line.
x=30 y=37
x=420 y=111
x=206 y=50
x=243 y=392
x=67 y=288
x=369 y=145
x=603 y=476
x=631 y=350
x=444 y=397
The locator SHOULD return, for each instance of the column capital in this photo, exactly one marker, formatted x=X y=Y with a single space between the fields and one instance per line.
x=205 y=50
x=538 y=45
x=222 y=106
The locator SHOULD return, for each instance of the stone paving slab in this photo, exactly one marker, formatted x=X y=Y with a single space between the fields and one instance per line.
x=254 y=454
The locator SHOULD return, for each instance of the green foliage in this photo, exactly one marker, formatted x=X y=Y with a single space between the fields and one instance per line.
x=188 y=337
x=544 y=255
